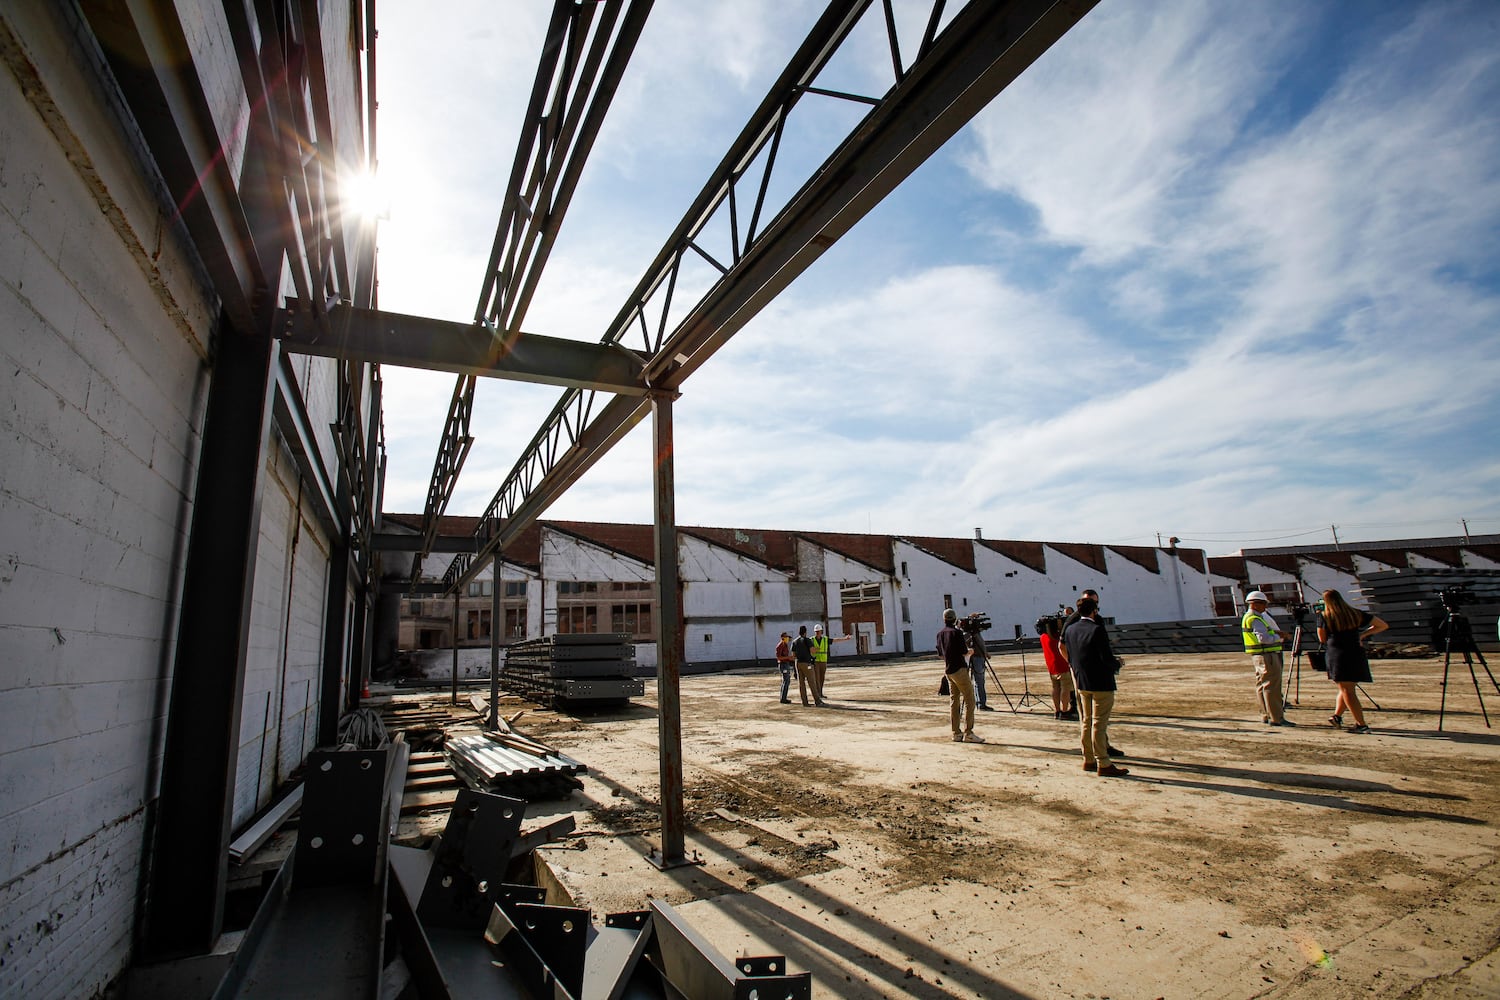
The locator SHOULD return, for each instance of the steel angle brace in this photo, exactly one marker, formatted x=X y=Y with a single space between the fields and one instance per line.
x=559 y=954
x=461 y=875
x=697 y=970
x=320 y=931
x=445 y=896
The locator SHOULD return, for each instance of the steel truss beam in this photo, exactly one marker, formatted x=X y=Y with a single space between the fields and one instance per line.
x=583 y=59
x=954 y=75
x=439 y=345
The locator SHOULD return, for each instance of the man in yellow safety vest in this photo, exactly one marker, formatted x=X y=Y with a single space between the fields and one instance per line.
x=1263 y=642
x=820 y=653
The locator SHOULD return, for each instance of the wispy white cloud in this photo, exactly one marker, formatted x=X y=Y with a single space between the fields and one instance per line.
x=1269 y=295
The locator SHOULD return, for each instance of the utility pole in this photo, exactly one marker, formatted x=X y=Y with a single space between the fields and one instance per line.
x=1465 y=522
x=1335 y=529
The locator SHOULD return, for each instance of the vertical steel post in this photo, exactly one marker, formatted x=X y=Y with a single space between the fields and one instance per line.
x=334 y=649
x=192 y=813
x=668 y=636
x=454 y=698
x=359 y=654
x=494 y=723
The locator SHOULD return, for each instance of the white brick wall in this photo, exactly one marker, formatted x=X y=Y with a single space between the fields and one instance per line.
x=102 y=368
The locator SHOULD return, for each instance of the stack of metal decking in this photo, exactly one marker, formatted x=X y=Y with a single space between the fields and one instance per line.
x=508 y=763
x=574 y=669
x=1412 y=603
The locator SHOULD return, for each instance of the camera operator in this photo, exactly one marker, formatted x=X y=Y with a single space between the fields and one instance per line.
x=979 y=661
x=1094 y=663
x=953 y=649
x=1263 y=641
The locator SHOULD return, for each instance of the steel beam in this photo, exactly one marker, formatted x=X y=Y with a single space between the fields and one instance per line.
x=322 y=934
x=576 y=79
x=189 y=850
x=387 y=542
x=955 y=74
x=668 y=638
x=335 y=641
x=148 y=52
x=388 y=338
x=696 y=969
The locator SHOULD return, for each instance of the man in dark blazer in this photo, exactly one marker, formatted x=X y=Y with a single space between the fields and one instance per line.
x=1093 y=663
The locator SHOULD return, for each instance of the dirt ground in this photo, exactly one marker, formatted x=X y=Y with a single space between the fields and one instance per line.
x=1236 y=860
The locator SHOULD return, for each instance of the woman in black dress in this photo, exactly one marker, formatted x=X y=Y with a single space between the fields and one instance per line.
x=1342 y=630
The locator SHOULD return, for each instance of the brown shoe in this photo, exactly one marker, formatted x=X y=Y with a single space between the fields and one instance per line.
x=1091 y=765
x=1110 y=771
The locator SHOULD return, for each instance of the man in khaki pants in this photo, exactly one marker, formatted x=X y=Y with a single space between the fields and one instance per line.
x=953 y=650
x=1094 y=664
x=1263 y=642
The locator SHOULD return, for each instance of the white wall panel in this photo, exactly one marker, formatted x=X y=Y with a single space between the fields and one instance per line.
x=102 y=326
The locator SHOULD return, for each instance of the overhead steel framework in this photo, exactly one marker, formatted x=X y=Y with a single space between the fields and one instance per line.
x=584 y=55
x=954 y=73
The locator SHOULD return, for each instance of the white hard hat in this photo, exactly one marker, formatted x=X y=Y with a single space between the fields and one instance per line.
x=817 y=628
x=1256 y=595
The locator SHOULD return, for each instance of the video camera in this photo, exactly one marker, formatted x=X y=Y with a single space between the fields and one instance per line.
x=1300 y=610
x=1455 y=597
x=1041 y=623
x=975 y=623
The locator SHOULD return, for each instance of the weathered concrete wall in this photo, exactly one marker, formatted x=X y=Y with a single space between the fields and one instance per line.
x=927 y=579
x=105 y=318
x=743 y=604
x=278 y=716
x=103 y=321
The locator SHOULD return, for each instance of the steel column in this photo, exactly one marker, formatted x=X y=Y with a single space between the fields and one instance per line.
x=668 y=636
x=454 y=697
x=335 y=616
x=494 y=721
x=193 y=811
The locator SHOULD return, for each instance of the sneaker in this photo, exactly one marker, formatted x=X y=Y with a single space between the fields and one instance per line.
x=973 y=738
x=1110 y=771
x=786 y=701
x=958 y=737
x=1284 y=722
x=986 y=708
x=1113 y=752
x=1091 y=765
x=1336 y=721
x=1358 y=729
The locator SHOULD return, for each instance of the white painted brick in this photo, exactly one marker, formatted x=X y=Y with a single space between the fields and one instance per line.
x=76 y=903
x=37 y=658
x=27 y=343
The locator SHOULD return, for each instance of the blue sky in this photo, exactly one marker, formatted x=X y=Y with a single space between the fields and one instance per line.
x=1227 y=272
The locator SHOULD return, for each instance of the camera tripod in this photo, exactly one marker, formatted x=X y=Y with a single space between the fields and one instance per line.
x=1027 y=699
x=996 y=678
x=1287 y=697
x=1457 y=628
